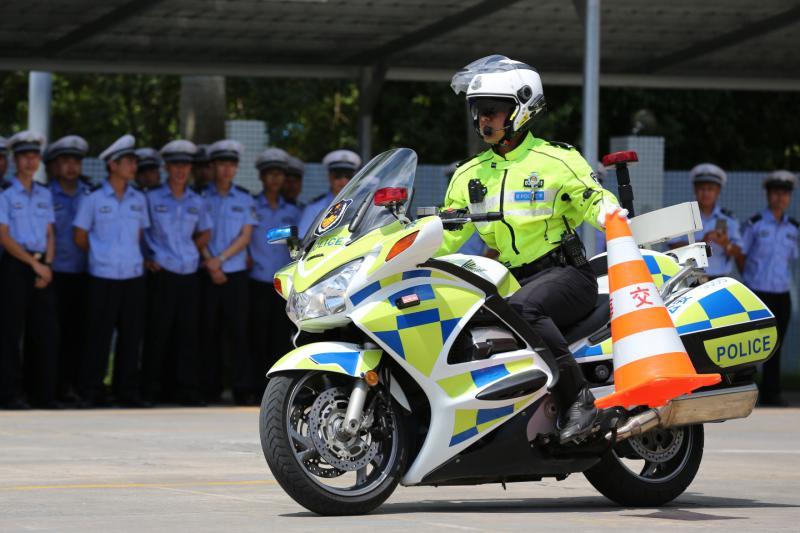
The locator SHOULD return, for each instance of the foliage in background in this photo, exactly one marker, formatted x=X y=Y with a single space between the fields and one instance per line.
x=739 y=130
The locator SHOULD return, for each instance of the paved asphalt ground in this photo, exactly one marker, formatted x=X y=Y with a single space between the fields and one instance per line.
x=202 y=470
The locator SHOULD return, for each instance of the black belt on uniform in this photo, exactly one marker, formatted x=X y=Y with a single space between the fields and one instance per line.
x=553 y=258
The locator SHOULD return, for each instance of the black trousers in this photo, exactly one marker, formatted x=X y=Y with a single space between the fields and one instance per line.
x=25 y=307
x=172 y=324
x=70 y=292
x=781 y=306
x=553 y=299
x=225 y=311
x=113 y=304
x=270 y=331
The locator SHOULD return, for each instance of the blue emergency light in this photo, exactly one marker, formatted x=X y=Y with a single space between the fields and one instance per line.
x=281 y=234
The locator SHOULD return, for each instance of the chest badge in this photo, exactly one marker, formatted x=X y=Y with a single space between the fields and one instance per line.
x=533 y=181
x=332 y=217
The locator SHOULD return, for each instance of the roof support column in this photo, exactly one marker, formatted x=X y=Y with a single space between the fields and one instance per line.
x=202 y=108
x=591 y=96
x=40 y=94
x=369 y=88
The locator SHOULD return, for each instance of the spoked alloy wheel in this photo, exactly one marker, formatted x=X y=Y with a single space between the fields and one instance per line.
x=651 y=469
x=314 y=461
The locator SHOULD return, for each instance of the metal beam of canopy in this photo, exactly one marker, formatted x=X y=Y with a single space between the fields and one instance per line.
x=96 y=26
x=714 y=44
x=431 y=31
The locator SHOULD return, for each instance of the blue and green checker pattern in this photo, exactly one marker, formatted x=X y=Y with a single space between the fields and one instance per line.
x=468 y=382
x=661 y=267
x=471 y=422
x=733 y=304
x=418 y=334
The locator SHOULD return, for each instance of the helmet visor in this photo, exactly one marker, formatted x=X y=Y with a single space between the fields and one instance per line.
x=490 y=106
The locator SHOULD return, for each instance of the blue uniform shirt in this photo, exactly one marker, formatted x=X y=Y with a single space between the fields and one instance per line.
x=27 y=215
x=229 y=214
x=267 y=258
x=719 y=264
x=69 y=258
x=771 y=246
x=114 y=228
x=174 y=222
x=311 y=211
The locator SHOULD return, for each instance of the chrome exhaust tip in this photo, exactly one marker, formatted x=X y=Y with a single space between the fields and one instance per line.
x=699 y=408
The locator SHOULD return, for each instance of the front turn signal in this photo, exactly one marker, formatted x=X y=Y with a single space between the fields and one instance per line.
x=402 y=245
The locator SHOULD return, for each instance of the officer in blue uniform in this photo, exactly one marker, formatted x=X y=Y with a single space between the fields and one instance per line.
x=3 y=158
x=67 y=187
x=720 y=226
x=179 y=227
x=26 y=231
x=293 y=184
x=769 y=247
x=342 y=166
x=474 y=245
x=270 y=329
x=201 y=169
x=109 y=225
x=224 y=288
x=148 y=169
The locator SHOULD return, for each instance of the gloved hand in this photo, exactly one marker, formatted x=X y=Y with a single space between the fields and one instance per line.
x=610 y=209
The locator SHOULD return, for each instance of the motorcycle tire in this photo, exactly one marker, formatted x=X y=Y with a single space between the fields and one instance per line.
x=291 y=475
x=614 y=480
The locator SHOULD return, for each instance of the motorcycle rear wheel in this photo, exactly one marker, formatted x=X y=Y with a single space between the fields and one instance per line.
x=671 y=461
x=295 y=460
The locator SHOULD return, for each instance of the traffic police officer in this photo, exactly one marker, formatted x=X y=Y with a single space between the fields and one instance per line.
x=67 y=187
x=26 y=232
x=179 y=227
x=474 y=245
x=148 y=168
x=543 y=191
x=225 y=295
x=341 y=166
x=109 y=225
x=720 y=227
x=293 y=184
x=270 y=328
x=769 y=247
x=201 y=169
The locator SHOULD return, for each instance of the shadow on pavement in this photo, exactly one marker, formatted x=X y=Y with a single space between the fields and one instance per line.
x=680 y=510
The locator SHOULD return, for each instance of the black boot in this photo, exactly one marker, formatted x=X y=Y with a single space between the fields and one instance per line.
x=576 y=401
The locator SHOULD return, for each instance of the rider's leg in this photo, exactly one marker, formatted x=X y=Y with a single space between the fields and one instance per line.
x=556 y=297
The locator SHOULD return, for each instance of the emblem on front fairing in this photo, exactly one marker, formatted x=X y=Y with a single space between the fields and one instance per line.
x=332 y=217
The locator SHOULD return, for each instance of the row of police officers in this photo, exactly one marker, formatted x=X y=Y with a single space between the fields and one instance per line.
x=168 y=278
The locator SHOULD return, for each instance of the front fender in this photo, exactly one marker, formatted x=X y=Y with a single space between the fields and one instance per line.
x=339 y=357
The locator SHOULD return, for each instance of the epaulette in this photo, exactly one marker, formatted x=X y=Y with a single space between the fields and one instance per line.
x=242 y=189
x=95 y=187
x=5 y=184
x=794 y=222
x=557 y=144
x=727 y=212
x=755 y=218
x=137 y=187
x=86 y=180
x=318 y=198
x=468 y=159
x=37 y=184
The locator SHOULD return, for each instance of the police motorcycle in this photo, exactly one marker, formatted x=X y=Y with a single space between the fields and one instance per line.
x=412 y=369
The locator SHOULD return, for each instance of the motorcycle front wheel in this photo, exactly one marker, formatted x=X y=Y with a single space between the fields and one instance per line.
x=651 y=469
x=300 y=413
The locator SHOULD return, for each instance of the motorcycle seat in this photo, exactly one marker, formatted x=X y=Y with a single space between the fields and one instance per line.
x=597 y=318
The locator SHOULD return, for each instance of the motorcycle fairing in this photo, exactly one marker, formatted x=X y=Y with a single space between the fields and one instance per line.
x=339 y=357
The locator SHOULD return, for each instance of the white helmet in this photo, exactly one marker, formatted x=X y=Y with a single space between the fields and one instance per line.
x=496 y=80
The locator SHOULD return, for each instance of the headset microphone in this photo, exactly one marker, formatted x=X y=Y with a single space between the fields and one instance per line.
x=487 y=131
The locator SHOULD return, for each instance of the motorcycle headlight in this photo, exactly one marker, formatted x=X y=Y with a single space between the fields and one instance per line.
x=326 y=297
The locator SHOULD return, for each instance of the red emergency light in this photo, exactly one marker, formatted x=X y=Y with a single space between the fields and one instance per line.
x=390 y=196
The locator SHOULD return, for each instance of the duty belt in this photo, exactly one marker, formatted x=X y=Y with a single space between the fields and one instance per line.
x=553 y=258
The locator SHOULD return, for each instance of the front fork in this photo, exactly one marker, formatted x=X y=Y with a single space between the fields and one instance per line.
x=355 y=410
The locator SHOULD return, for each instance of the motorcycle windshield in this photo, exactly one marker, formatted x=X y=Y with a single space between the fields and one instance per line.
x=353 y=207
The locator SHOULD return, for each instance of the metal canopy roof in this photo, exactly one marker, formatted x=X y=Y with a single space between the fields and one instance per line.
x=738 y=44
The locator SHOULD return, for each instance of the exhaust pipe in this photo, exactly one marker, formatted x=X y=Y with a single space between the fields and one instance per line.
x=698 y=408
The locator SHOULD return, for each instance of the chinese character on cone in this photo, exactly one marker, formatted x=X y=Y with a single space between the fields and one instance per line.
x=651 y=366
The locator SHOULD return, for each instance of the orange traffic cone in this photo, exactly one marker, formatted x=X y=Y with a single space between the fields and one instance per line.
x=651 y=366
